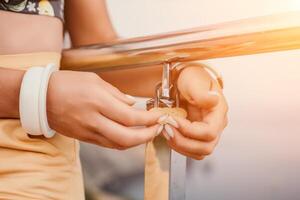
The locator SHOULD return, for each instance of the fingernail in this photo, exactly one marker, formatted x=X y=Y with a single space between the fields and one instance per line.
x=213 y=93
x=162 y=119
x=130 y=97
x=166 y=136
x=169 y=130
x=170 y=120
x=159 y=130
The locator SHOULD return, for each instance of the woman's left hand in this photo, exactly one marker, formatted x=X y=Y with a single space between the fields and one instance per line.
x=197 y=136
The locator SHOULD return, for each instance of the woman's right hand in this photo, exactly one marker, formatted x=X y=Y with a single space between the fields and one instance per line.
x=83 y=106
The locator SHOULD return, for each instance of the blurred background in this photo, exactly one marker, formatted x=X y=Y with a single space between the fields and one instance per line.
x=258 y=157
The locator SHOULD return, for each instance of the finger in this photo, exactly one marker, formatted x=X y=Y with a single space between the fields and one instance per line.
x=90 y=136
x=194 y=113
x=218 y=115
x=125 y=114
x=197 y=90
x=196 y=157
x=191 y=146
x=118 y=94
x=213 y=122
x=225 y=122
x=196 y=130
x=98 y=139
x=203 y=98
x=124 y=136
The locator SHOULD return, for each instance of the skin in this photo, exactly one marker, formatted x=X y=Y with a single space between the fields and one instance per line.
x=103 y=114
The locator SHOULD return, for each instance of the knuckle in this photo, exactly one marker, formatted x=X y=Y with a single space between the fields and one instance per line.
x=189 y=130
x=211 y=135
x=92 y=140
x=85 y=138
x=126 y=143
x=207 y=150
x=131 y=119
x=176 y=142
x=198 y=157
x=121 y=148
x=92 y=126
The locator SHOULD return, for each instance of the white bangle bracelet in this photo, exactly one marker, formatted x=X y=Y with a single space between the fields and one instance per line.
x=28 y=102
x=47 y=132
x=32 y=102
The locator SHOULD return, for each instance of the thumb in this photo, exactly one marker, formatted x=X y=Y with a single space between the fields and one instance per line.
x=195 y=85
x=204 y=99
x=198 y=95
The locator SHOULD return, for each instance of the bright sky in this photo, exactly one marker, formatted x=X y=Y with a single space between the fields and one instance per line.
x=136 y=17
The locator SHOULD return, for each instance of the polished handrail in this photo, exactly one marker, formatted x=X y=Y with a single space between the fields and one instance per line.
x=242 y=37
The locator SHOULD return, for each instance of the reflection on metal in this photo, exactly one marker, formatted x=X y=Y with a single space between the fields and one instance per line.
x=165 y=84
x=243 y=37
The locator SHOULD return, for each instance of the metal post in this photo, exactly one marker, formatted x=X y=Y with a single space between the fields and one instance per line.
x=177 y=162
x=165 y=169
x=177 y=176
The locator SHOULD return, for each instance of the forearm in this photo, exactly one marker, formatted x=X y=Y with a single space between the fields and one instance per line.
x=138 y=81
x=88 y=22
x=10 y=83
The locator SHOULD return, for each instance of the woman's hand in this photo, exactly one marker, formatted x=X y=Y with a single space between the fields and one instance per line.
x=198 y=135
x=83 y=106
